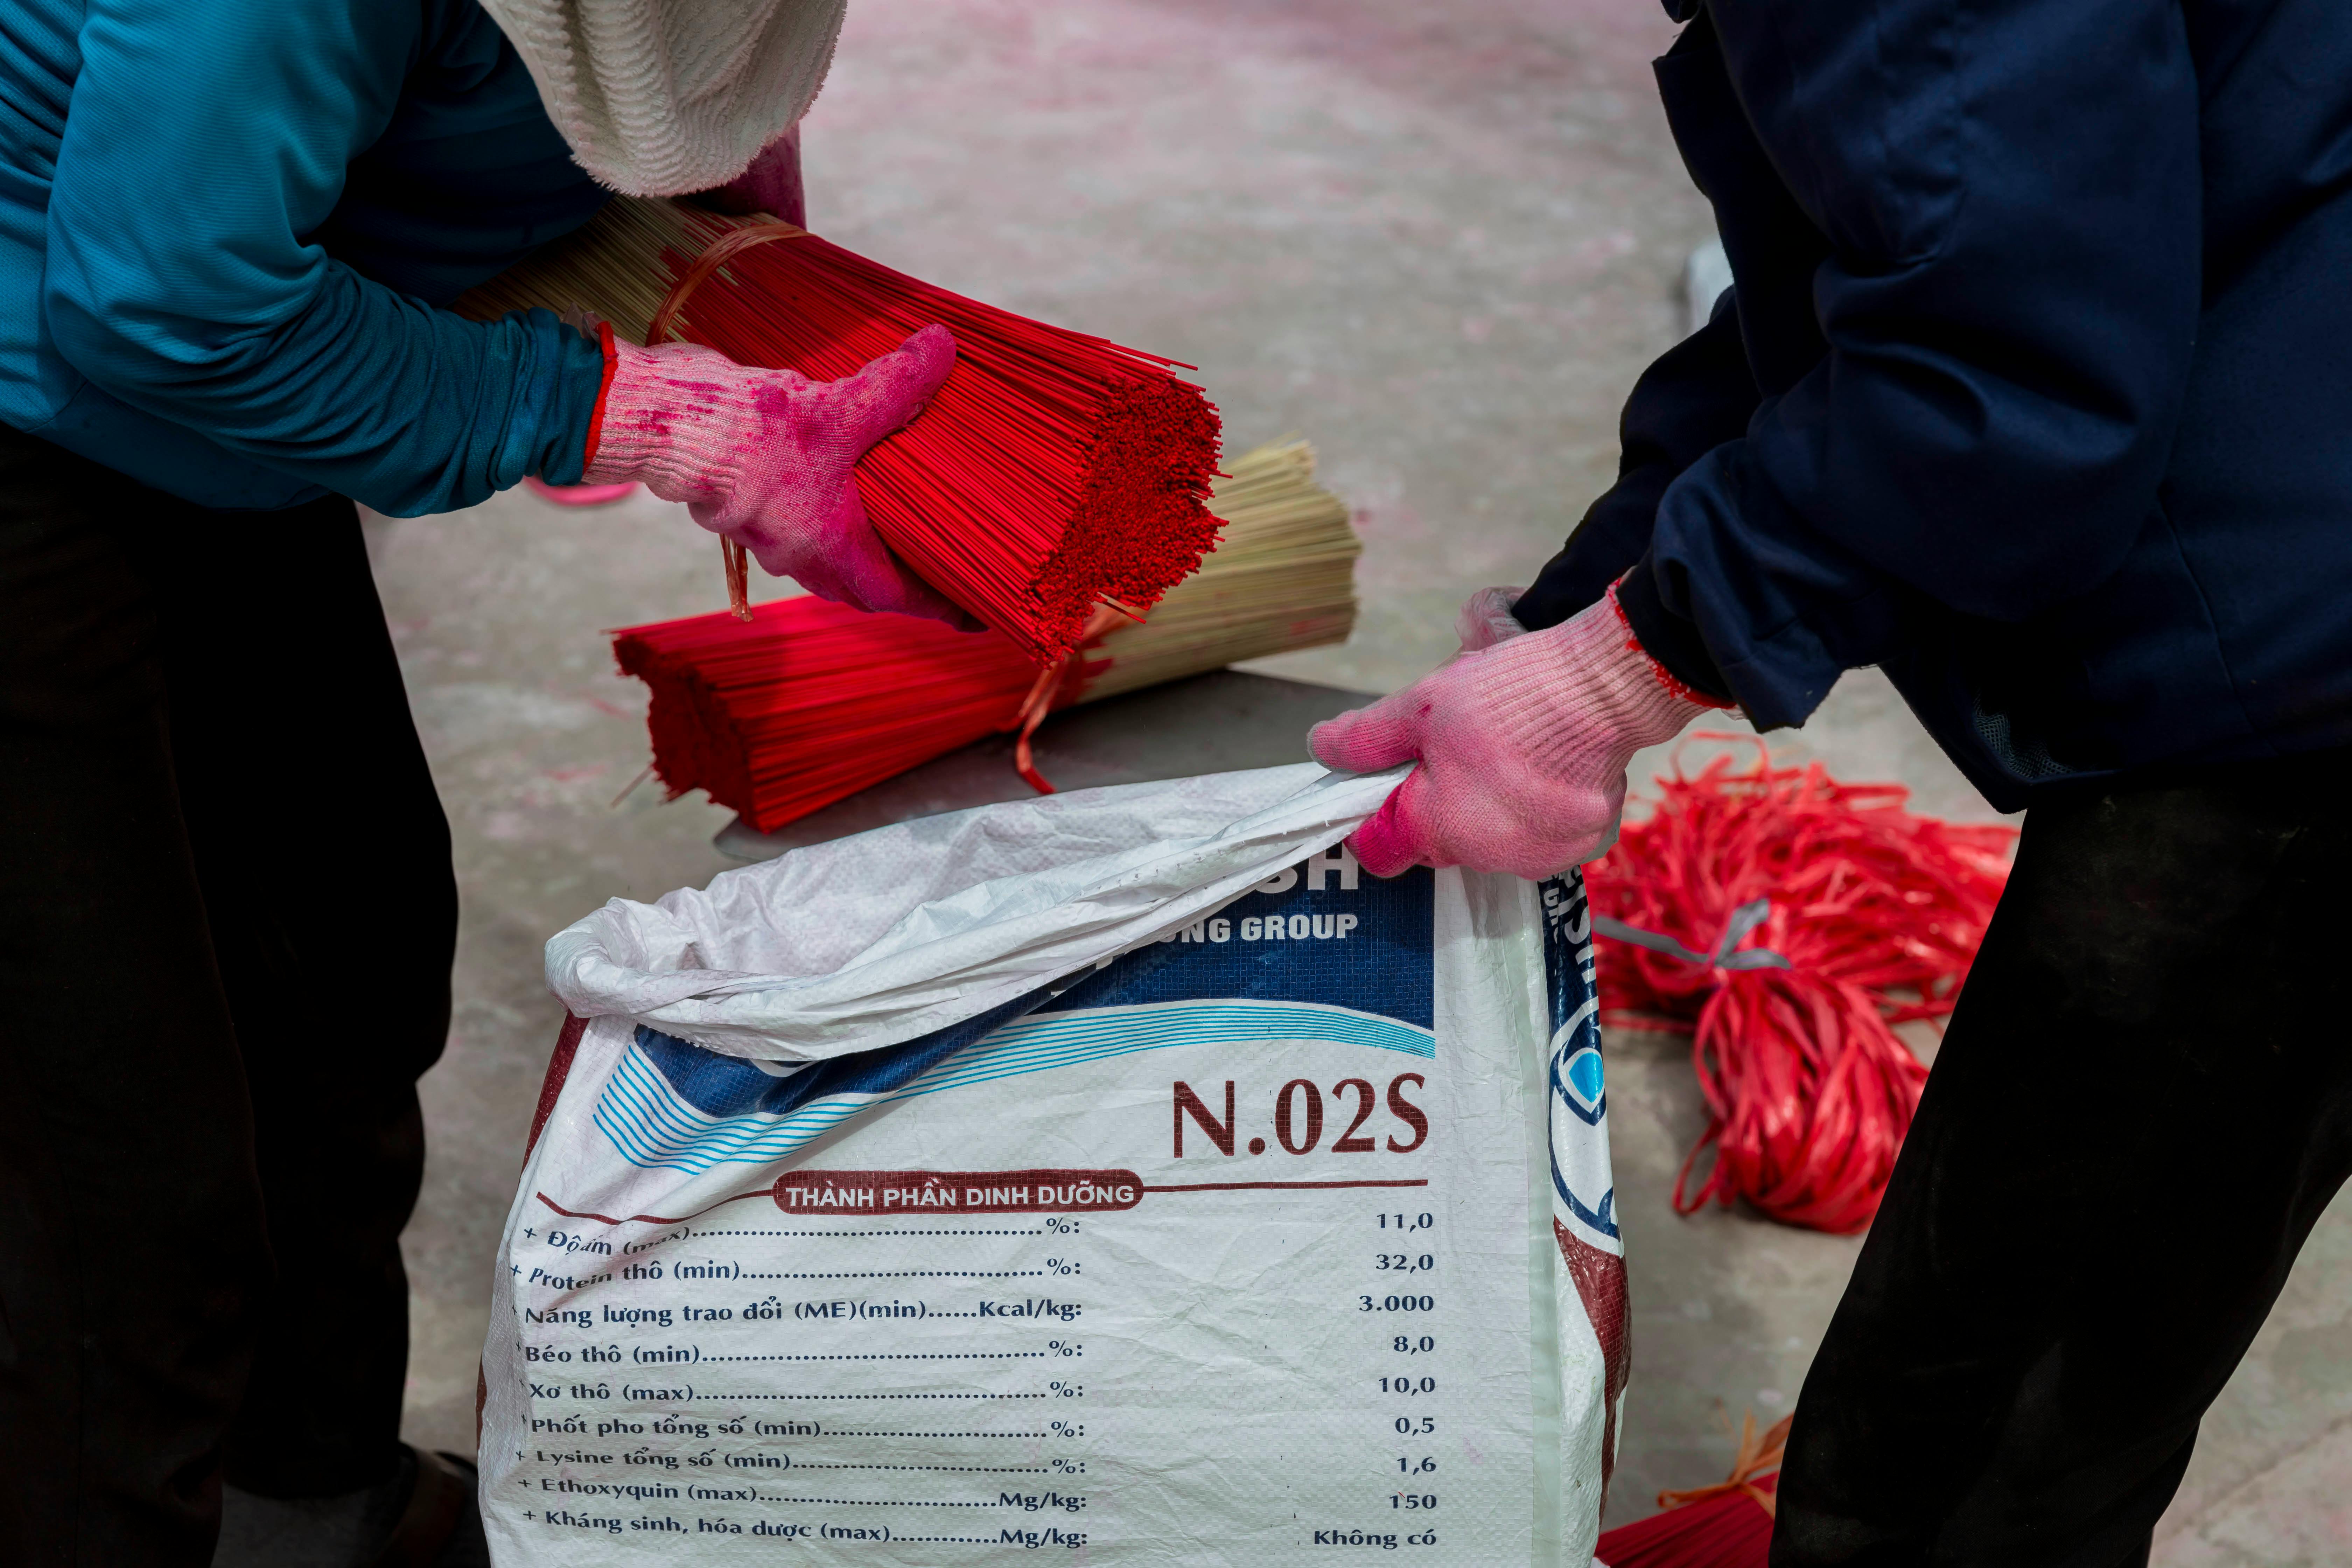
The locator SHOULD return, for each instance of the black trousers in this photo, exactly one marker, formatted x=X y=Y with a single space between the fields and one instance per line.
x=227 y=922
x=2142 y=1105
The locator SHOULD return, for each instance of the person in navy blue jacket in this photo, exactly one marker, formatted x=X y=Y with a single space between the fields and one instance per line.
x=227 y=233
x=2034 y=390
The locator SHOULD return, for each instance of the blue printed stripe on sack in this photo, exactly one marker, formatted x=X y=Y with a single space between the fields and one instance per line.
x=665 y=1105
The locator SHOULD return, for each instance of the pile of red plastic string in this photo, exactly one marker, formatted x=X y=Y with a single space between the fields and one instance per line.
x=1877 y=913
x=1054 y=470
x=1728 y=1525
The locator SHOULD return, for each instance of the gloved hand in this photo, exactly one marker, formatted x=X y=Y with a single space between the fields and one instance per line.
x=765 y=457
x=1522 y=739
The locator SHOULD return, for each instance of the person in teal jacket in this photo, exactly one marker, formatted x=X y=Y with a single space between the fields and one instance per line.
x=224 y=233
x=228 y=233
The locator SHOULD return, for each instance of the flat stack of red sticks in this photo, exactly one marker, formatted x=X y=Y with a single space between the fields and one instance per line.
x=1054 y=473
x=809 y=702
x=1727 y=1525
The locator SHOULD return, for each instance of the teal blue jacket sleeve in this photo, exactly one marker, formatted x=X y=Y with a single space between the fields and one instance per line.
x=207 y=139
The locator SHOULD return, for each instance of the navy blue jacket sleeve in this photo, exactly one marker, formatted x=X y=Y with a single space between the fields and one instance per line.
x=206 y=141
x=2008 y=197
x=1694 y=398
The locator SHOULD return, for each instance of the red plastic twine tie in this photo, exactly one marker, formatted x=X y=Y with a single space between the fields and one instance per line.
x=732 y=244
x=723 y=249
x=1047 y=692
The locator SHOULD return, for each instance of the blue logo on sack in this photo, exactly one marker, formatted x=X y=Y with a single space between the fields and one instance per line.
x=1578 y=1081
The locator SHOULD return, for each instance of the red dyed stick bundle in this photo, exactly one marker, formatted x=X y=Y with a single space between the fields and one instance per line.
x=1728 y=1530
x=1878 y=913
x=1054 y=470
x=1728 y=1525
x=809 y=702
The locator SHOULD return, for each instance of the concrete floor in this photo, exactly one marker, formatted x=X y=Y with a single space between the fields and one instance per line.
x=1441 y=242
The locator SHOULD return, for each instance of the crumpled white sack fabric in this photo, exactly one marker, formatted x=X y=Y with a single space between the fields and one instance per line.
x=660 y=97
x=889 y=935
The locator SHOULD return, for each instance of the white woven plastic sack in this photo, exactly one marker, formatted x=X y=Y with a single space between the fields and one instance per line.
x=1120 y=1172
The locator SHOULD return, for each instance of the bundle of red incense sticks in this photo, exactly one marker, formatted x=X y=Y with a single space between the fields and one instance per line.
x=808 y=702
x=1727 y=1525
x=1053 y=471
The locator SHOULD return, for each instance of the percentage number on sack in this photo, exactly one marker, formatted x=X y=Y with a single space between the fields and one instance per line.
x=1408 y=1222
x=1408 y=1384
x=1405 y=1262
x=1408 y=1345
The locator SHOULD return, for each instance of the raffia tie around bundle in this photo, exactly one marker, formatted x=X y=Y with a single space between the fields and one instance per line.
x=1744 y=918
x=1758 y=1455
x=1057 y=683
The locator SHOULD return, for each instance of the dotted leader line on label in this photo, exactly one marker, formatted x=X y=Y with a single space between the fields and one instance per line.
x=962 y=1469
x=976 y=1395
x=1022 y=1435
x=908 y=1355
x=914 y=1274
x=880 y=1502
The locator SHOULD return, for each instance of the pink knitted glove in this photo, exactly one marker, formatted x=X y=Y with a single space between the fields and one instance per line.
x=764 y=456
x=1522 y=744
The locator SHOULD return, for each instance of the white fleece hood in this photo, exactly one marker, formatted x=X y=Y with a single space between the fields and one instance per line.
x=658 y=98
